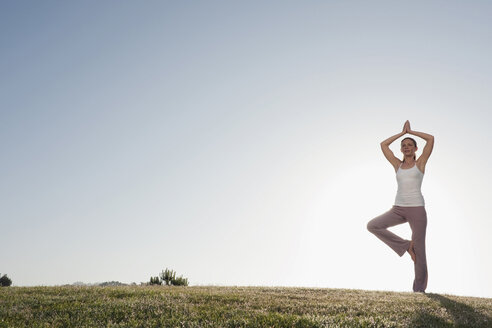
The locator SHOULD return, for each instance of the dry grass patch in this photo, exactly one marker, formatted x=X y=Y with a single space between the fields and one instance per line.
x=164 y=306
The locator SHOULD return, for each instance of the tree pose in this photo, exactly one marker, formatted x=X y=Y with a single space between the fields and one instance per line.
x=409 y=203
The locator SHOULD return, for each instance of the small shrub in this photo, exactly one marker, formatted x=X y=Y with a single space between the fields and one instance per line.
x=169 y=278
x=180 y=281
x=155 y=281
x=111 y=284
x=5 y=281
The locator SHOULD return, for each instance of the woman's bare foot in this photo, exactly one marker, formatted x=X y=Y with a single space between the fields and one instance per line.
x=411 y=251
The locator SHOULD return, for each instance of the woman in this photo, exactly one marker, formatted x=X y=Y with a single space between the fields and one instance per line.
x=409 y=203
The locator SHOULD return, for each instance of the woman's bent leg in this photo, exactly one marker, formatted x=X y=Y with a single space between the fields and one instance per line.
x=378 y=226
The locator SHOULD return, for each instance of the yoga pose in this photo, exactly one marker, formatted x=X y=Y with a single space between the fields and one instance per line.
x=409 y=203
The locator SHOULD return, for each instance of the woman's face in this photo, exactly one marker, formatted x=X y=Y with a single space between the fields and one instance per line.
x=408 y=148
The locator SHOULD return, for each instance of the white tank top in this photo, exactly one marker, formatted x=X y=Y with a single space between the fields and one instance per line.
x=409 y=183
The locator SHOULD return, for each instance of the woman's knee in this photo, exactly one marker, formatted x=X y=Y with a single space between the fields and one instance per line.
x=372 y=226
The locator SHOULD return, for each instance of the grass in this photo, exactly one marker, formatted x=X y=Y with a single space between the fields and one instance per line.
x=160 y=306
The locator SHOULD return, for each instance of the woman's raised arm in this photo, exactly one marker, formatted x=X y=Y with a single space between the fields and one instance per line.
x=429 y=145
x=390 y=156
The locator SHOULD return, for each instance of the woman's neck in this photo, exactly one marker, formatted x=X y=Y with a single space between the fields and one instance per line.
x=409 y=160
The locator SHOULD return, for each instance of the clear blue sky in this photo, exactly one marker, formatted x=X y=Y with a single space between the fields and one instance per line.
x=238 y=142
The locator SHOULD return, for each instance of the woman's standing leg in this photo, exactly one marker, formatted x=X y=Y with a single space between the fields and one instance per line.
x=417 y=218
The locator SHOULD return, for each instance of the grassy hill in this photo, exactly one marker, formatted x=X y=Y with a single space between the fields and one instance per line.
x=160 y=306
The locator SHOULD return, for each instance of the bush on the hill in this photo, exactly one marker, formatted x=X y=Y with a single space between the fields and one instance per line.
x=111 y=284
x=155 y=281
x=169 y=278
x=5 y=281
x=180 y=281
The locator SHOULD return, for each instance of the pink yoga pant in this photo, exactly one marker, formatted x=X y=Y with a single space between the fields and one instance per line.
x=417 y=218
